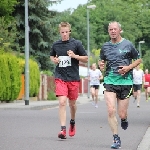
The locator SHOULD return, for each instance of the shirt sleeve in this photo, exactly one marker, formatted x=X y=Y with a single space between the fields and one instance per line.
x=52 y=51
x=100 y=73
x=80 y=49
x=102 y=56
x=134 y=52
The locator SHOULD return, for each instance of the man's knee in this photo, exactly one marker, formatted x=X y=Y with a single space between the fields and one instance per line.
x=62 y=103
x=111 y=111
x=122 y=114
x=72 y=104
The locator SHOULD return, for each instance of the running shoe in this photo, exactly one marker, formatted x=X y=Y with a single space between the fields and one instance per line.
x=124 y=123
x=62 y=134
x=116 y=143
x=138 y=105
x=96 y=106
x=93 y=103
x=72 y=130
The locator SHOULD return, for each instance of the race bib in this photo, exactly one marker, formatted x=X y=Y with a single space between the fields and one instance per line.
x=64 y=61
x=146 y=83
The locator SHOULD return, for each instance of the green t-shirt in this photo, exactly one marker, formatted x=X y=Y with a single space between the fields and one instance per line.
x=118 y=54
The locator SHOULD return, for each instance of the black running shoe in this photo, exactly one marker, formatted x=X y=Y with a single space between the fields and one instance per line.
x=124 y=123
x=116 y=143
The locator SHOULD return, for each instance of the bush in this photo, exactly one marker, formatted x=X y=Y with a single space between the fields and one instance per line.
x=51 y=96
x=34 y=76
x=11 y=69
x=49 y=73
x=10 y=79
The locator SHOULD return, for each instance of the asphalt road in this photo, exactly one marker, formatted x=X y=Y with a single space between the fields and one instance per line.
x=38 y=129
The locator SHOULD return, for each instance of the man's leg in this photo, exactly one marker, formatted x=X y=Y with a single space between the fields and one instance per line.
x=122 y=112
x=138 y=97
x=93 y=95
x=62 y=109
x=73 y=91
x=123 y=108
x=148 y=93
x=62 y=116
x=96 y=98
x=110 y=98
x=135 y=92
x=61 y=92
x=73 y=108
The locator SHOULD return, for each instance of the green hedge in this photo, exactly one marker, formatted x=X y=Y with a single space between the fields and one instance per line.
x=10 y=77
x=11 y=68
x=34 y=76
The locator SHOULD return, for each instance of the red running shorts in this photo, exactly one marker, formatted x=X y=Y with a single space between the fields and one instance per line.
x=67 y=88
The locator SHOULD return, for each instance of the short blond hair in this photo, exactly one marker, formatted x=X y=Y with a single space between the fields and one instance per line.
x=64 y=24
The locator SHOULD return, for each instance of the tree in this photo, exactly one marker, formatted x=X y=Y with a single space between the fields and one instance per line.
x=94 y=56
x=6 y=8
x=8 y=34
x=132 y=14
x=41 y=34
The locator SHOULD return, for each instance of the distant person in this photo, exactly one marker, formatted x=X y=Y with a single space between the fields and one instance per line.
x=66 y=54
x=95 y=76
x=146 y=83
x=118 y=55
x=137 y=83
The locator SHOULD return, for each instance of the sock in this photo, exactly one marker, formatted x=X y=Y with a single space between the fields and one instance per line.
x=115 y=135
x=124 y=120
x=63 y=128
x=72 y=121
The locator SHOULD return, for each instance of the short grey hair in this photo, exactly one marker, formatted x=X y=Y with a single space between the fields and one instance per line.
x=119 y=25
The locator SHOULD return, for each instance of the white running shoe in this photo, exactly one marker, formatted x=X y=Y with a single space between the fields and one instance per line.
x=93 y=103
x=96 y=106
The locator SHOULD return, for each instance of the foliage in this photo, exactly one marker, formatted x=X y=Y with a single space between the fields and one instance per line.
x=43 y=25
x=51 y=96
x=8 y=34
x=10 y=79
x=42 y=30
x=49 y=73
x=6 y=8
x=34 y=75
x=22 y=65
x=132 y=14
x=94 y=56
x=146 y=61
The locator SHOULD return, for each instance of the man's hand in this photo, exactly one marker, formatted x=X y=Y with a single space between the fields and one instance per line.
x=56 y=60
x=123 y=70
x=101 y=64
x=71 y=54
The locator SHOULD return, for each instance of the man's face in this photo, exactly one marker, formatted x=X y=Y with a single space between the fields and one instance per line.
x=65 y=33
x=114 y=30
x=93 y=66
